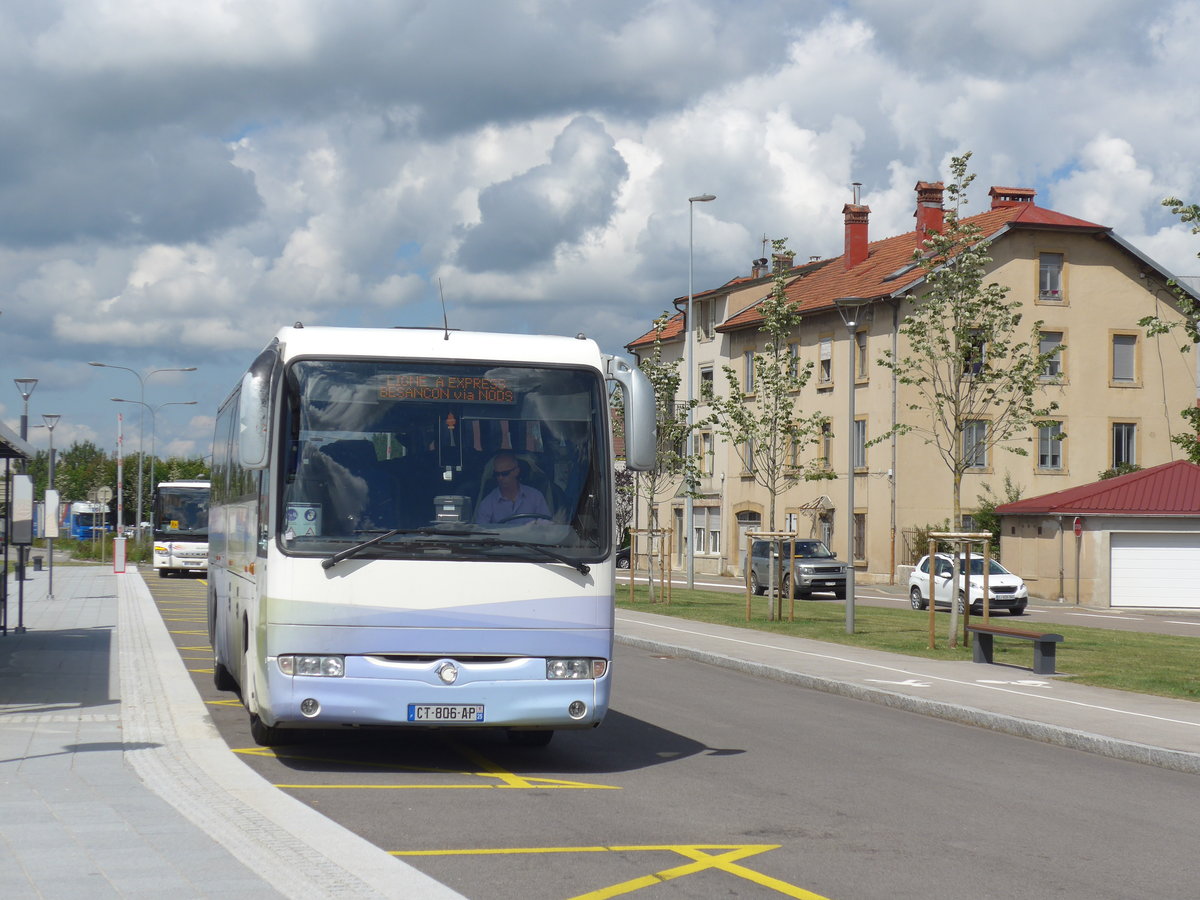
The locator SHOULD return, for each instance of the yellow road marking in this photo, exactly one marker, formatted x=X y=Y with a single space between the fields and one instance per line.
x=508 y=779
x=701 y=861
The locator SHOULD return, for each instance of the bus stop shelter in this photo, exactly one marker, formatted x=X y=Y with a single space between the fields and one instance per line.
x=13 y=450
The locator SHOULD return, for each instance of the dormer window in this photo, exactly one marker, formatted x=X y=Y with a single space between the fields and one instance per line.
x=1050 y=278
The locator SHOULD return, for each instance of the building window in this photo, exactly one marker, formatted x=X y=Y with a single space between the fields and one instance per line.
x=974 y=444
x=825 y=369
x=860 y=355
x=706 y=529
x=748 y=371
x=791 y=522
x=793 y=350
x=1050 y=446
x=860 y=536
x=706 y=380
x=707 y=320
x=1124 y=358
x=1124 y=444
x=1051 y=342
x=826 y=444
x=974 y=354
x=748 y=455
x=707 y=458
x=859 y=437
x=1050 y=278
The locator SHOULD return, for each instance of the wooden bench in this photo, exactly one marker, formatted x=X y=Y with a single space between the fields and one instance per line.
x=1043 y=645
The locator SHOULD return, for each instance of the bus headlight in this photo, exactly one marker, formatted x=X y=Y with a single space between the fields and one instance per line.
x=560 y=669
x=321 y=666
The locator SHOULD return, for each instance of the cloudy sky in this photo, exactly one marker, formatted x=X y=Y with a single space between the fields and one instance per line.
x=179 y=178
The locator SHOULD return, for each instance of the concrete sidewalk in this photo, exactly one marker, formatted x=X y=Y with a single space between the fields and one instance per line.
x=114 y=782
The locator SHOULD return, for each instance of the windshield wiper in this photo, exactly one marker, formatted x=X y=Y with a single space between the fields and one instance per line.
x=359 y=548
x=544 y=549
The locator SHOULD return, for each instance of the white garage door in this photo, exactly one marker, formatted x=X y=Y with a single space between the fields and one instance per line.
x=1155 y=570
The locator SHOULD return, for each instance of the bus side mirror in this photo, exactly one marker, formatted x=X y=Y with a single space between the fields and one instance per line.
x=641 y=429
x=254 y=412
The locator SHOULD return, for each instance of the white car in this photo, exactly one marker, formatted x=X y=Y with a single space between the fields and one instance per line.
x=1006 y=591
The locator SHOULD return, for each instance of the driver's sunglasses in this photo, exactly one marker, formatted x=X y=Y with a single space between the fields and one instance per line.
x=504 y=473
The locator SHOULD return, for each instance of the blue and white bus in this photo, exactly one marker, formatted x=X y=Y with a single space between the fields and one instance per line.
x=359 y=573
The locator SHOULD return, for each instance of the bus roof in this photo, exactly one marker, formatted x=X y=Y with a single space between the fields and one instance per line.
x=435 y=343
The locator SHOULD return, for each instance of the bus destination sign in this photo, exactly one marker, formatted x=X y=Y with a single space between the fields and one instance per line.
x=454 y=388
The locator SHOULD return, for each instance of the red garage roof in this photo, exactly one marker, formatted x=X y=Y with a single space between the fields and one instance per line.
x=1172 y=489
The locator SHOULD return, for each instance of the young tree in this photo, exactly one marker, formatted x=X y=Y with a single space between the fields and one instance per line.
x=974 y=379
x=1189 y=213
x=769 y=433
x=673 y=469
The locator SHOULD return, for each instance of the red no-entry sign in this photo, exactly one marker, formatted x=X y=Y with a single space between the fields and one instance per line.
x=1078 y=527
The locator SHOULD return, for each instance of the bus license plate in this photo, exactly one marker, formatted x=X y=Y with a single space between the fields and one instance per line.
x=435 y=713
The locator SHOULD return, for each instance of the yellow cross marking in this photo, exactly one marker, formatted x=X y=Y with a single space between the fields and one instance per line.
x=224 y=702
x=701 y=861
x=507 y=779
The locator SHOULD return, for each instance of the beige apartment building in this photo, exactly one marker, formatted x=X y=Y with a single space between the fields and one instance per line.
x=1119 y=392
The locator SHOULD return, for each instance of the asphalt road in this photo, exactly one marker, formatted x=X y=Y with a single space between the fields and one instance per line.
x=704 y=783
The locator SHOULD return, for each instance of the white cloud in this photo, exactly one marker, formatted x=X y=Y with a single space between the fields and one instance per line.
x=180 y=179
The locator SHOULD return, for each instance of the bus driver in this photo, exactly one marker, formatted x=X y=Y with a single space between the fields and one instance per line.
x=510 y=499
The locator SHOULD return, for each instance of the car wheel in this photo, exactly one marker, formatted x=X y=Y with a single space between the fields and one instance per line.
x=1017 y=611
x=840 y=593
x=915 y=600
x=623 y=562
x=962 y=603
x=755 y=587
x=785 y=588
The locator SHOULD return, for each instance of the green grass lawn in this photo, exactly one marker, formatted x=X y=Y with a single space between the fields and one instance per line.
x=1160 y=664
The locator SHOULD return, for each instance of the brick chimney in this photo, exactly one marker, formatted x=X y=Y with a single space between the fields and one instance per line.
x=1011 y=196
x=783 y=262
x=930 y=214
x=856 y=234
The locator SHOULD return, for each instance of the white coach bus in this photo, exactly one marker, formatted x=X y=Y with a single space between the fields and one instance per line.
x=414 y=527
x=179 y=518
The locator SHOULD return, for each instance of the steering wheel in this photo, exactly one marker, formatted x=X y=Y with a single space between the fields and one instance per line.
x=528 y=516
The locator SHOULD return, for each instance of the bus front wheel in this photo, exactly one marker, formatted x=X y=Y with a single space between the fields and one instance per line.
x=264 y=735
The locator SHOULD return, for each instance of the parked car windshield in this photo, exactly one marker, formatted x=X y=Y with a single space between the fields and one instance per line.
x=810 y=550
x=977 y=566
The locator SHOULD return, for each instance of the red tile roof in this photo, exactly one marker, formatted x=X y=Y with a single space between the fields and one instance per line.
x=1172 y=489
x=887 y=270
x=672 y=331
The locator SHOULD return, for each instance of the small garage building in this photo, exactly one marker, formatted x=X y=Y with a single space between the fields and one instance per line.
x=1126 y=542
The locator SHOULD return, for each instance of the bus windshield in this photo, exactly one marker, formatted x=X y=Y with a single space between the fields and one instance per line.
x=444 y=460
x=181 y=512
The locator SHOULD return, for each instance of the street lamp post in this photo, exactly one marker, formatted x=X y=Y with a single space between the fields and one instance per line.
x=25 y=386
x=142 y=395
x=854 y=311
x=51 y=421
x=688 y=506
x=154 y=427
